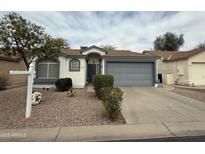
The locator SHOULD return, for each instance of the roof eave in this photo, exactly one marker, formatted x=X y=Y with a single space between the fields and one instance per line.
x=130 y=57
x=178 y=59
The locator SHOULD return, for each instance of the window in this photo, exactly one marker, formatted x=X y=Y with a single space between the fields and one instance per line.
x=74 y=65
x=47 y=70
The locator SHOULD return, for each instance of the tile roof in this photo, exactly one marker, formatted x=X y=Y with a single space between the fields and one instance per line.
x=113 y=53
x=71 y=52
x=123 y=53
x=170 y=56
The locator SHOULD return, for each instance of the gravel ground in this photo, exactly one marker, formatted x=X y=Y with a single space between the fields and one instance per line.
x=195 y=94
x=56 y=109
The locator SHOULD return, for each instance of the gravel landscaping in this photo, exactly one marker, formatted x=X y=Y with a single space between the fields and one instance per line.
x=56 y=109
x=194 y=94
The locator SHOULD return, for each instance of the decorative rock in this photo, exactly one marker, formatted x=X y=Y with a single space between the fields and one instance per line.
x=36 y=98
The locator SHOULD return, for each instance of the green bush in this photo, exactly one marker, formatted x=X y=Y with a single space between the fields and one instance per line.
x=3 y=82
x=100 y=81
x=104 y=94
x=112 y=98
x=64 y=84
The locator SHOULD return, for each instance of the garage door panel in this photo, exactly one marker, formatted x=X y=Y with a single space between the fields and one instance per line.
x=131 y=74
x=198 y=74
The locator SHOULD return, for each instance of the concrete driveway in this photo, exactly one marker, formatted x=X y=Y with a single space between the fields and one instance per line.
x=153 y=105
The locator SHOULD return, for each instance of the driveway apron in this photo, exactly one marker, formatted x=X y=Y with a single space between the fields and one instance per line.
x=153 y=105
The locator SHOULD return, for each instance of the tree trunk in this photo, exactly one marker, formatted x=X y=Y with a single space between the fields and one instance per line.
x=22 y=53
x=25 y=62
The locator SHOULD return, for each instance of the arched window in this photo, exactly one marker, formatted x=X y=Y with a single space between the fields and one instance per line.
x=74 y=65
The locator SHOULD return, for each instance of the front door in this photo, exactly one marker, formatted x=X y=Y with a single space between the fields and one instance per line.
x=91 y=71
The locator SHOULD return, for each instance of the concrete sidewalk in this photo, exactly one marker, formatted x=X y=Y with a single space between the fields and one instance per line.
x=106 y=132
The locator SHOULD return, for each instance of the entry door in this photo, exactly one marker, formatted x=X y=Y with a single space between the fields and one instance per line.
x=91 y=71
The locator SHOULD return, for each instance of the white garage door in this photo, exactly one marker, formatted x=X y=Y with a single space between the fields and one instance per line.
x=198 y=74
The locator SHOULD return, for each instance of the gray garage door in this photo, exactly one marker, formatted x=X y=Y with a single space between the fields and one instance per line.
x=131 y=74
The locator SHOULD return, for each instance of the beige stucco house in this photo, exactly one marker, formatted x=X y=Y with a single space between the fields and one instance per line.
x=185 y=68
x=127 y=67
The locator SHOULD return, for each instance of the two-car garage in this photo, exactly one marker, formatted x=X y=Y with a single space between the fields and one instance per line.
x=132 y=73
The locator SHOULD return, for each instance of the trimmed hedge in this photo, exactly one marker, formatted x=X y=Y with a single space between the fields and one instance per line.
x=3 y=82
x=100 y=81
x=104 y=94
x=64 y=84
x=112 y=98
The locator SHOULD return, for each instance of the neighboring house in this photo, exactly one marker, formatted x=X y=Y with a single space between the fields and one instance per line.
x=8 y=63
x=128 y=68
x=187 y=67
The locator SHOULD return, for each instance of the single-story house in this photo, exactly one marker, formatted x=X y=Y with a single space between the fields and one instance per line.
x=177 y=67
x=8 y=63
x=128 y=68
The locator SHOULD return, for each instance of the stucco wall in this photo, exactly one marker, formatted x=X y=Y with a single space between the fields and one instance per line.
x=182 y=72
x=78 y=77
x=166 y=68
x=197 y=69
x=13 y=80
x=178 y=68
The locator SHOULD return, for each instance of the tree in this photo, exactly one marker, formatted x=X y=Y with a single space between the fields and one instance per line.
x=200 y=45
x=108 y=47
x=169 y=42
x=18 y=36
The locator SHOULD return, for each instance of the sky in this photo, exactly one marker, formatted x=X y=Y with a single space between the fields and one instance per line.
x=134 y=31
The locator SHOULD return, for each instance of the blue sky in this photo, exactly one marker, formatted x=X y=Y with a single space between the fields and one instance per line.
x=125 y=30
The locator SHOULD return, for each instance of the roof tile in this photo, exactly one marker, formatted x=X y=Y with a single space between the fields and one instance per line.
x=174 y=55
x=113 y=53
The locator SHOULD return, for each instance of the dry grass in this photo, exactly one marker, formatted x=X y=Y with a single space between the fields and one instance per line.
x=56 y=109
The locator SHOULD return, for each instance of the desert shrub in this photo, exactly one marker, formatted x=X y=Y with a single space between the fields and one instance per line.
x=64 y=84
x=112 y=98
x=104 y=94
x=3 y=82
x=100 y=81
